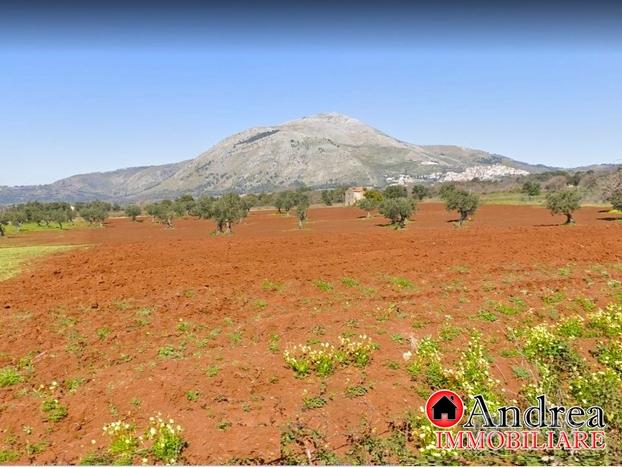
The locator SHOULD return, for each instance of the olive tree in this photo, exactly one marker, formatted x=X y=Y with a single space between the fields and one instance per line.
x=612 y=190
x=285 y=201
x=59 y=216
x=164 y=213
x=302 y=208
x=556 y=183
x=420 y=192
x=327 y=198
x=183 y=205
x=446 y=190
x=615 y=198
x=133 y=211
x=531 y=189
x=227 y=210
x=152 y=210
x=95 y=212
x=397 y=210
x=337 y=195
x=35 y=212
x=371 y=200
x=463 y=202
x=17 y=216
x=203 y=207
x=395 y=191
x=4 y=221
x=564 y=202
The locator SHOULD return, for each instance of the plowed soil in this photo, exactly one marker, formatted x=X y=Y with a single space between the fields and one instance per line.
x=146 y=316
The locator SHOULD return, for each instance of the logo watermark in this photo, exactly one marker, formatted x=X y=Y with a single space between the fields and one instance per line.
x=538 y=427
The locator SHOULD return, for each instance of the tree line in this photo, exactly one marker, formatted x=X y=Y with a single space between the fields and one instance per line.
x=55 y=213
x=395 y=203
x=226 y=210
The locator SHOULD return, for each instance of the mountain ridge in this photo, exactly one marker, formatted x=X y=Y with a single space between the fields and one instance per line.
x=319 y=151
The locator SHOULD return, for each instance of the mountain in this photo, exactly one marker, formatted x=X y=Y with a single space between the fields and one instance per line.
x=118 y=185
x=319 y=151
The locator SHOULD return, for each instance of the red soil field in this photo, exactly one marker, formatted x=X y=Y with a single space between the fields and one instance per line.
x=102 y=314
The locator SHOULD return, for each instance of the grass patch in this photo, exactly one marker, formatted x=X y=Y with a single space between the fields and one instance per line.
x=486 y=315
x=355 y=391
x=9 y=376
x=169 y=351
x=8 y=456
x=510 y=198
x=323 y=285
x=192 y=396
x=401 y=282
x=12 y=259
x=54 y=410
x=212 y=371
x=313 y=402
x=271 y=286
x=349 y=282
x=34 y=227
x=521 y=372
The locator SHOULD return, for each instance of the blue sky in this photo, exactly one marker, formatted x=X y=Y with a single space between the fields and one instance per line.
x=85 y=90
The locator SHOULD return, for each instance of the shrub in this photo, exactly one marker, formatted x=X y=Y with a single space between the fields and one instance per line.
x=427 y=364
x=397 y=210
x=610 y=355
x=463 y=202
x=607 y=321
x=473 y=375
x=324 y=358
x=167 y=440
x=571 y=326
x=123 y=443
x=162 y=442
x=564 y=202
x=543 y=346
x=601 y=388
